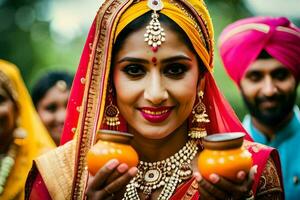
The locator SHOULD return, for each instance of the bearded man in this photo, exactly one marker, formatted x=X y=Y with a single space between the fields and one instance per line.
x=262 y=56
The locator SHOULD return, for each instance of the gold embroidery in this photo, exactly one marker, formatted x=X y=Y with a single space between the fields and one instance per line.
x=255 y=147
x=89 y=116
x=191 y=191
x=269 y=184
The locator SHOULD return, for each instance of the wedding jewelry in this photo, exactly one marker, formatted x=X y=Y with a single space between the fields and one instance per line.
x=166 y=173
x=61 y=85
x=200 y=117
x=197 y=133
x=111 y=115
x=8 y=161
x=155 y=34
x=111 y=112
x=199 y=111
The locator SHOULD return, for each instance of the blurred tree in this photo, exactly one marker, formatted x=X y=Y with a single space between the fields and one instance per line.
x=16 y=19
x=26 y=39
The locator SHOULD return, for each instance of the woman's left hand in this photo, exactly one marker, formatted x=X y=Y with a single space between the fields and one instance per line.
x=218 y=187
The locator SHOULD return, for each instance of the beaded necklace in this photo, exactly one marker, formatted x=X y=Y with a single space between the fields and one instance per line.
x=8 y=161
x=166 y=173
x=7 y=164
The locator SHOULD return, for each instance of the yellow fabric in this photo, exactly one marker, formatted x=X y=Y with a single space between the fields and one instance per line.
x=37 y=141
x=179 y=17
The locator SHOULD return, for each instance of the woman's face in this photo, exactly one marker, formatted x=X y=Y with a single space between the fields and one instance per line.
x=155 y=91
x=8 y=115
x=52 y=111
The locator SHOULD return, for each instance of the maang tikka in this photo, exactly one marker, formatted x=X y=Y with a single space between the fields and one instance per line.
x=111 y=112
x=200 y=117
x=155 y=34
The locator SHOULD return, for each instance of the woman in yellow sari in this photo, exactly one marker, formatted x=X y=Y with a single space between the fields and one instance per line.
x=147 y=69
x=22 y=135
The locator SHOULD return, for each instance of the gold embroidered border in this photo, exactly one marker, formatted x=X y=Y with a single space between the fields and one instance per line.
x=94 y=99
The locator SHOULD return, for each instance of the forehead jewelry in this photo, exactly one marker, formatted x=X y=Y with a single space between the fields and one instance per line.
x=155 y=34
x=61 y=85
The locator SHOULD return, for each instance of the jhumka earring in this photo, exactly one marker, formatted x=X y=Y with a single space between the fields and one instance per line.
x=155 y=34
x=111 y=112
x=200 y=117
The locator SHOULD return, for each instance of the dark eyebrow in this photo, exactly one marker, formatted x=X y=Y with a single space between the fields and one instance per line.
x=176 y=58
x=250 y=71
x=131 y=59
x=283 y=69
x=167 y=60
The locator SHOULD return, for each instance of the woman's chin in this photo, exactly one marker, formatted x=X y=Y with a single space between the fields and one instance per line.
x=155 y=133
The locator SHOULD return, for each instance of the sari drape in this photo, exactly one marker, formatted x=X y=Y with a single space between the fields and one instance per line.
x=37 y=139
x=88 y=95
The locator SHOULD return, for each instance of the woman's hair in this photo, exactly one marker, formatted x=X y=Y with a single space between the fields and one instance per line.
x=264 y=55
x=47 y=81
x=143 y=21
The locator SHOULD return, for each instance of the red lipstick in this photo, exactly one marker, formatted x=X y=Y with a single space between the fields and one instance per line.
x=156 y=114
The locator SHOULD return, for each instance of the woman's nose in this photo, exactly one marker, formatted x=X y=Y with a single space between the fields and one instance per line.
x=61 y=114
x=155 y=90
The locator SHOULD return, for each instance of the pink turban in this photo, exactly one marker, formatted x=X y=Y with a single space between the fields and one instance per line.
x=241 y=43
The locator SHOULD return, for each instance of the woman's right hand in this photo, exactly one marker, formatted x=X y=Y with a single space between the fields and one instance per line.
x=111 y=178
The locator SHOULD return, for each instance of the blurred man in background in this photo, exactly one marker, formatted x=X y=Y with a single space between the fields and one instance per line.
x=262 y=56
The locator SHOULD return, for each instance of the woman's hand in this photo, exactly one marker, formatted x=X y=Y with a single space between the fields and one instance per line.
x=218 y=187
x=111 y=178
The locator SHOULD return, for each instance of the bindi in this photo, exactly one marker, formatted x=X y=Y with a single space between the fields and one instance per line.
x=154 y=60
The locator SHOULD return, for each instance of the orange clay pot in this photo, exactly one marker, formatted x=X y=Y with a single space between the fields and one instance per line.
x=224 y=155
x=111 y=144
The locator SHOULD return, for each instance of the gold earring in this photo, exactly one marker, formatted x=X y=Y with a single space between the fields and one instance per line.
x=111 y=112
x=200 y=117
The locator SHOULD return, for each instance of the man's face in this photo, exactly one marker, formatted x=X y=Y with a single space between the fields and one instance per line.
x=269 y=90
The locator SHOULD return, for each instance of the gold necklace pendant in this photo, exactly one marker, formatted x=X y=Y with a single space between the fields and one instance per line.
x=166 y=173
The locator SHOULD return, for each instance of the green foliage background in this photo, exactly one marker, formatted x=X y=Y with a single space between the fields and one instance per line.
x=25 y=40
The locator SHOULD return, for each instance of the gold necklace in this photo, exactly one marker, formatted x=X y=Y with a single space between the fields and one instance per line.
x=166 y=173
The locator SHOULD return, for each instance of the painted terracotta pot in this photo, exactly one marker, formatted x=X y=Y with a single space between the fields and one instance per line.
x=110 y=145
x=224 y=155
